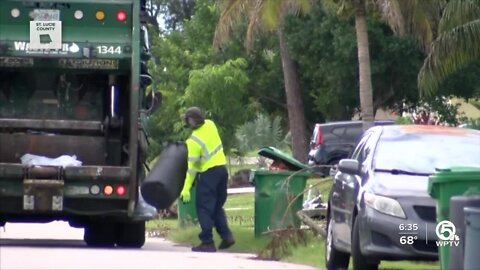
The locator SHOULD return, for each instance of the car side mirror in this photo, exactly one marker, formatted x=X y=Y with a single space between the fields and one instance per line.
x=349 y=166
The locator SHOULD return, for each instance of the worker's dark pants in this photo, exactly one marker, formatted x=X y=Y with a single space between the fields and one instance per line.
x=211 y=196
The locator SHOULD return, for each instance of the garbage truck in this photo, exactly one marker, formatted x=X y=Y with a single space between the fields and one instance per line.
x=73 y=93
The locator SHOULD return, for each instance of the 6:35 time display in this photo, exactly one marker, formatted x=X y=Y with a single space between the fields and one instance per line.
x=408 y=227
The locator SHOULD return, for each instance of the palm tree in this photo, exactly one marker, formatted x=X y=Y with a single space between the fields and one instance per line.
x=418 y=18
x=269 y=15
x=358 y=8
x=364 y=70
x=456 y=46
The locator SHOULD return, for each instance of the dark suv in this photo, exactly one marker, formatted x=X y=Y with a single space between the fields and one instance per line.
x=333 y=141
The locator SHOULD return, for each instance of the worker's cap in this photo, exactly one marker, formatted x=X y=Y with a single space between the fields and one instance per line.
x=195 y=114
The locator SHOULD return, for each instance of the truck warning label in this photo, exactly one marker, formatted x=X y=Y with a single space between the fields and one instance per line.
x=45 y=35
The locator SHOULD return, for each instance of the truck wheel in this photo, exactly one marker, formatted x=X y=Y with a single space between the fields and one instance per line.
x=131 y=234
x=360 y=262
x=100 y=234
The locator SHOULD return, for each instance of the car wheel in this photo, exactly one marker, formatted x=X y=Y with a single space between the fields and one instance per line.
x=334 y=259
x=360 y=262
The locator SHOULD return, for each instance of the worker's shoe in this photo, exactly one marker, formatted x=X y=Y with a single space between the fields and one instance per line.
x=203 y=247
x=226 y=243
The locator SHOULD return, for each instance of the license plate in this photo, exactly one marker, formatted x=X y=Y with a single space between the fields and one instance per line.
x=46 y=15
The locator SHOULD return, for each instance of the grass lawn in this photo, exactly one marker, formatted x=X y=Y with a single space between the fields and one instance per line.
x=240 y=213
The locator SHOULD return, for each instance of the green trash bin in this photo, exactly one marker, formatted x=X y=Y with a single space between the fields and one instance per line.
x=187 y=212
x=442 y=186
x=277 y=193
x=274 y=192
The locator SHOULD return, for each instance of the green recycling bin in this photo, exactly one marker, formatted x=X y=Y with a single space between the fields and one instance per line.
x=442 y=186
x=187 y=212
x=278 y=193
x=274 y=192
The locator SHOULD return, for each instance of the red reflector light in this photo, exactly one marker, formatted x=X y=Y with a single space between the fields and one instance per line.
x=121 y=16
x=121 y=190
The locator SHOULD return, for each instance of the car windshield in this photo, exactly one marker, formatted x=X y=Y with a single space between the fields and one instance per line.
x=426 y=152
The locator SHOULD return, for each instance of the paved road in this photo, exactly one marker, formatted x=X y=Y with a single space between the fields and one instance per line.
x=57 y=246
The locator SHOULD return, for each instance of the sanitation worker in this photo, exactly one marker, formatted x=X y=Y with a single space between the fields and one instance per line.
x=207 y=164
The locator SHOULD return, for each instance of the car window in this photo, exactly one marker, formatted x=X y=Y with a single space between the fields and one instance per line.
x=339 y=131
x=354 y=132
x=424 y=153
x=359 y=152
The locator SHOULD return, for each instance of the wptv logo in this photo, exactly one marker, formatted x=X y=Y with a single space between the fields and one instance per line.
x=445 y=231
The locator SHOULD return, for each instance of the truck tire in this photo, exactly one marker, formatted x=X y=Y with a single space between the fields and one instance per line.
x=131 y=234
x=100 y=233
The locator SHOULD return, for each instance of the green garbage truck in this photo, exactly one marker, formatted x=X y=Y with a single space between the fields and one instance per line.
x=73 y=82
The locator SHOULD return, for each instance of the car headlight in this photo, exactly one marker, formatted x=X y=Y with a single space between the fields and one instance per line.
x=384 y=205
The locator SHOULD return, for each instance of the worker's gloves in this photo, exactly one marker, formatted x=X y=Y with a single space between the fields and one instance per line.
x=185 y=195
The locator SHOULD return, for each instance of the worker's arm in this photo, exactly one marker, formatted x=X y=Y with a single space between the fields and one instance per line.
x=194 y=157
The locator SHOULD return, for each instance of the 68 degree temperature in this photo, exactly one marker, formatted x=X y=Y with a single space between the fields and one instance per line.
x=408 y=239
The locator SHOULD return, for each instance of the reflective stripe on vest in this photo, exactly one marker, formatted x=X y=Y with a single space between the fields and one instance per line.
x=206 y=154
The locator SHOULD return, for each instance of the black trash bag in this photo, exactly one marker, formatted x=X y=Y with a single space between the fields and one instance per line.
x=164 y=183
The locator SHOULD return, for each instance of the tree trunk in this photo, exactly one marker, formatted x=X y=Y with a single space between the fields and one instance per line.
x=296 y=115
x=366 y=96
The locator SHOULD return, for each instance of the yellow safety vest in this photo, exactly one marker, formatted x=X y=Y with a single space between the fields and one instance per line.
x=205 y=150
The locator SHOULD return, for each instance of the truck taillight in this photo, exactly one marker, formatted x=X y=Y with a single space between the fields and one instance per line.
x=121 y=190
x=15 y=12
x=100 y=15
x=94 y=190
x=78 y=14
x=108 y=190
x=121 y=16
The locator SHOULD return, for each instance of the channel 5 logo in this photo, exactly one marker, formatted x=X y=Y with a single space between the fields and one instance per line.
x=445 y=231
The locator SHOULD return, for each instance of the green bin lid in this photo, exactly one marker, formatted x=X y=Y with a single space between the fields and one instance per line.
x=452 y=175
x=276 y=154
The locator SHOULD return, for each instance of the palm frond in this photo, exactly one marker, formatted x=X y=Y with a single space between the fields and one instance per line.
x=421 y=24
x=392 y=14
x=451 y=51
x=260 y=132
x=254 y=24
x=412 y=17
x=459 y=12
x=271 y=13
x=260 y=14
x=231 y=12
x=297 y=7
